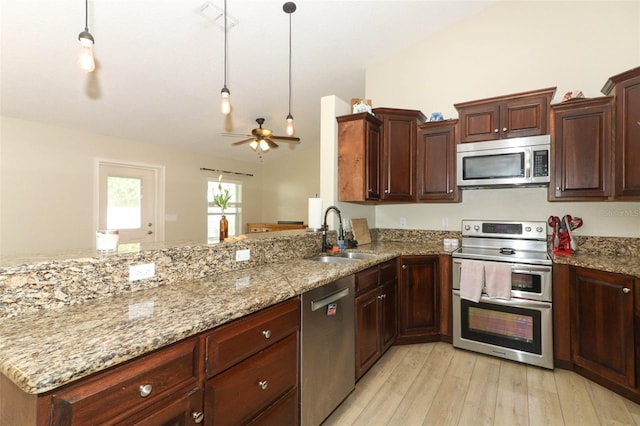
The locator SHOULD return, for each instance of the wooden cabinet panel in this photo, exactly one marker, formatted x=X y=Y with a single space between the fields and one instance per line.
x=626 y=88
x=602 y=336
x=111 y=396
x=445 y=266
x=436 y=162
x=367 y=279
x=284 y=412
x=388 y=314
x=231 y=343
x=419 y=313
x=258 y=381
x=399 y=135
x=561 y=316
x=359 y=147
x=182 y=411
x=510 y=116
x=581 y=150
x=367 y=331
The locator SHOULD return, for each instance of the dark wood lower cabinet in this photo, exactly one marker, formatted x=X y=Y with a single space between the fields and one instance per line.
x=419 y=304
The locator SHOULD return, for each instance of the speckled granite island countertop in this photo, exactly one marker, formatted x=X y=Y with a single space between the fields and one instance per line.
x=44 y=350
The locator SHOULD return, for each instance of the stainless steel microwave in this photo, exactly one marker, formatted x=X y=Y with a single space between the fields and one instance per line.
x=504 y=163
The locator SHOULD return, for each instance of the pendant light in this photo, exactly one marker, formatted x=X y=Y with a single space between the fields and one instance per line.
x=85 y=60
x=289 y=7
x=225 y=104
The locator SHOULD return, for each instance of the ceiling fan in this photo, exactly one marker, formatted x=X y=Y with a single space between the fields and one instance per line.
x=262 y=139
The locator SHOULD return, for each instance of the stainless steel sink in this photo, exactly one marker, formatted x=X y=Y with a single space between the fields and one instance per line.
x=356 y=255
x=333 y=259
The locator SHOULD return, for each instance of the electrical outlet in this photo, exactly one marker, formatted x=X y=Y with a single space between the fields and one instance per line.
x=142 y=271
x=242 y=255
x=445 y=222
x=403 y=222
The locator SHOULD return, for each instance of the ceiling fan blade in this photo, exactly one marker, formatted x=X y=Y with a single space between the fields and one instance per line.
x=271 y=143
x=243 y=141
x=289 y=139
x=235 y=135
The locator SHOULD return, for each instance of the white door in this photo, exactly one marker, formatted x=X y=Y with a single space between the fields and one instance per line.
x=127 y=201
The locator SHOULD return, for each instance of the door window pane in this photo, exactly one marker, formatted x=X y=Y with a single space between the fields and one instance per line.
x=232 y=212
x=124 y=203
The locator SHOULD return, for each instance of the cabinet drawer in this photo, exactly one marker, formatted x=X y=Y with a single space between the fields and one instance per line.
x=388 y=271
x=107 y=397
x=240 y=339
x=283 y=412
x=367 y=279
x=242 y=392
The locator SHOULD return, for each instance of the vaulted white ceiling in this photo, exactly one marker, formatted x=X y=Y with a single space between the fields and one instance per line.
x=160 y=63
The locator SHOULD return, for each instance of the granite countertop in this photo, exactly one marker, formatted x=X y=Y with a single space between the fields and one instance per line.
x=627 y=265
x=51 y=348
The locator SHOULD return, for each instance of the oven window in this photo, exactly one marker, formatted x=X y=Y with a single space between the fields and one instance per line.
x=531 y=283
x=493 y=166
x=507 y=326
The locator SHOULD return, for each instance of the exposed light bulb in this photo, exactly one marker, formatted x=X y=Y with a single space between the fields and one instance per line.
x=85 y=59
x=290 y=129
x=264 y=146
x=225 y=104
x=254 y=145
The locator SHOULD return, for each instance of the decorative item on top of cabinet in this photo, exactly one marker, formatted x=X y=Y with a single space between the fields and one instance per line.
x=626 y=89
x=359 y=147
x=419 y=300
x=436 y=162
x=398 y=162
x=510 y=116
x=581 y=150
x=376 y=313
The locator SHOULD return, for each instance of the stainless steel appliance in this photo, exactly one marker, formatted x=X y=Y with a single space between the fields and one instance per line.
x=518 y=328
x=505 y=162
x=327 y=349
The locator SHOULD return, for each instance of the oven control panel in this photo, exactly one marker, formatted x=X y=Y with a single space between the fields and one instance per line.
x=504 y=229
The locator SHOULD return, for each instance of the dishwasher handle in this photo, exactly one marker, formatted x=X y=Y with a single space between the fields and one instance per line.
x=321 y=303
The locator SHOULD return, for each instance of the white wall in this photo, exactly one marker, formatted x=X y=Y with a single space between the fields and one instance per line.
x=48 y=173
x=512 y=47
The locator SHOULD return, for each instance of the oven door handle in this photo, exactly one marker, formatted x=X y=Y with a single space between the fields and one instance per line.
x=527 y=270
x=521 y=303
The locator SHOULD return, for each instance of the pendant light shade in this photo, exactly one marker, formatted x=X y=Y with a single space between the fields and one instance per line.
x=85 y=59
x=225 y=104
x=289 y=7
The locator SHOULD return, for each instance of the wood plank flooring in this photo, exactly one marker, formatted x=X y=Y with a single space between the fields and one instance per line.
x=435 y=384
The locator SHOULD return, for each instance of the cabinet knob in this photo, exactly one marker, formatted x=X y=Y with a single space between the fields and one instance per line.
x=557 y=188
x=386 y=191
x=384 y=296
x=263 y=384
x=145 y=390
x=451 y=190
x=197 y=417
x=404 y=266
x=626 y=290
x=266 y=334
x=495 y=130
x=504 y=129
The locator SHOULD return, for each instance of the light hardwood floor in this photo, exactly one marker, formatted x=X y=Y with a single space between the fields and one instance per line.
x=436 y=384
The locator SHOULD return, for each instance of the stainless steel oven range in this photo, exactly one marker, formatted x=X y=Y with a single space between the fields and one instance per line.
x=517 y=324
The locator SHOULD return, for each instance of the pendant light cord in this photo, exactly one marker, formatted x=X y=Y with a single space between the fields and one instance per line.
x=225 y=43
x=290 y=63
x=86 y=15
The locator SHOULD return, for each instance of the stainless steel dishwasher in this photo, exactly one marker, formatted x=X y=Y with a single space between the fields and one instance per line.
x=327 y=349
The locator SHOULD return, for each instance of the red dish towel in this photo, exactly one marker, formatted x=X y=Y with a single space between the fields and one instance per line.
x=471 y=279
x=498 y=279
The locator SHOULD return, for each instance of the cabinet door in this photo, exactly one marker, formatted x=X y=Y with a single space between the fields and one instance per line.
x=399 y=134
x=582 y=151
x=436 y=162
x=367 y=330
x=388 y=314
x=627 y=146
x=524 y=117
x=480 y=123
x=602 y=336
x=372 y=162
x=418 y=316
x=179 y=411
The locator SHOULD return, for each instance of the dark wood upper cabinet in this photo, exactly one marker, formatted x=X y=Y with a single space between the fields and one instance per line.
x=436 y=162
x=510 y=116
x=359 y=145
x=399 y=135
x=581 y=150
x=626 y=89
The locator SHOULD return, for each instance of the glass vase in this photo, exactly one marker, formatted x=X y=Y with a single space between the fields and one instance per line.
x=224 y=228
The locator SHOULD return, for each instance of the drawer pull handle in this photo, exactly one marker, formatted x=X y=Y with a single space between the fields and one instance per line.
x=266 y=334
x=263 y=384
x=198 y=417
x=145 y=390
x=626 y=290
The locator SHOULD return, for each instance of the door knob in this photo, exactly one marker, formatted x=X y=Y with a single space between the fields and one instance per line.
x=149 y=232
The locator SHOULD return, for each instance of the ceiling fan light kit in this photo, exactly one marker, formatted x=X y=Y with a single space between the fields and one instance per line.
x=86 y=60
x=289 y=7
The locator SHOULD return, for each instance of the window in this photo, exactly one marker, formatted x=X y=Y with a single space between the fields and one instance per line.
x=232 y=212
